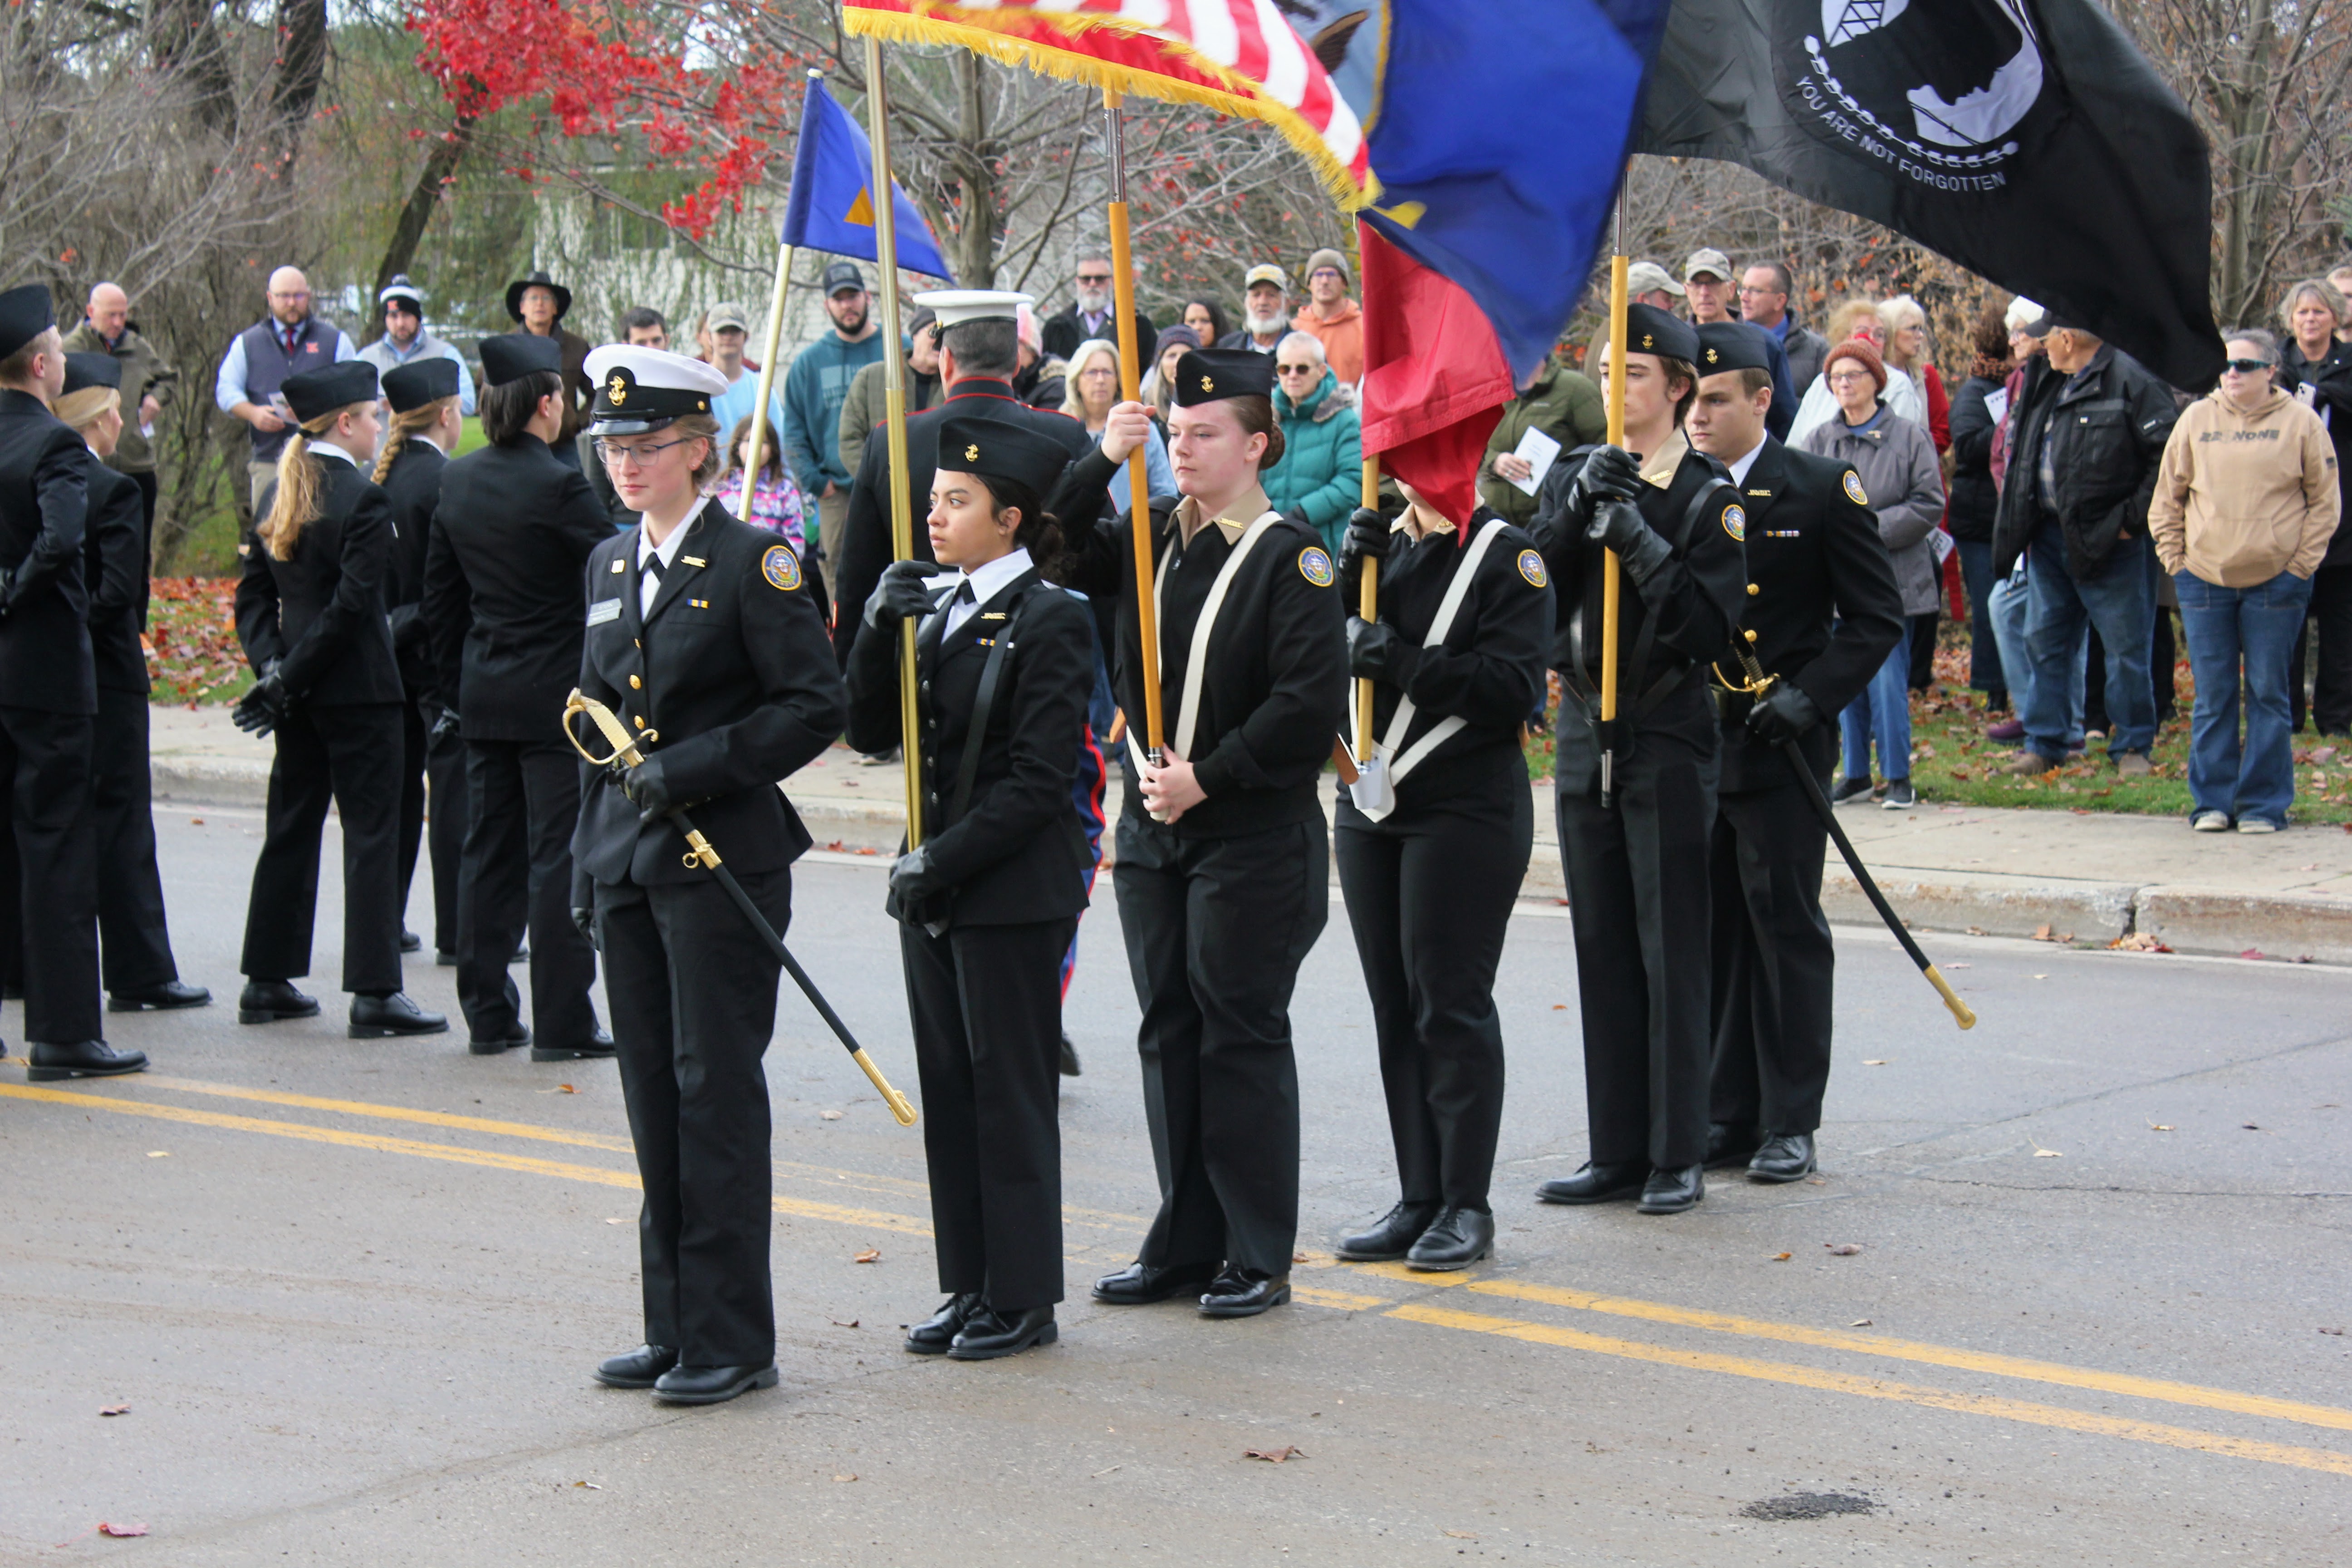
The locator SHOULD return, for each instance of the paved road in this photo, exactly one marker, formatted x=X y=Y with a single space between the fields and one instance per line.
x=351 y=1292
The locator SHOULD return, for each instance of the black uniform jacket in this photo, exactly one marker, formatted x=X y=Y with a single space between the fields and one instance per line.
x=1489 y=670
x=1813 y=553
x=413 y=483
x=865 y=531
x=1275 y=691
x=114 y=568
x=1694 y=598
x=511 y=533
x=1016 y=853
x=729 y=681
x=320 y=616
x=45 y=479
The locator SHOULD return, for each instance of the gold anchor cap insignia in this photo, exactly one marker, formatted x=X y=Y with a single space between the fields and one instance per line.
x=971 y=454
x=616 y=390
x=1712 y=356
x=1645 y=340
x=1207 y=384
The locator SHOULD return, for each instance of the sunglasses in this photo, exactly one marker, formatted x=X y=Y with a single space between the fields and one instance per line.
x=1295 y=369
x=2246 y=366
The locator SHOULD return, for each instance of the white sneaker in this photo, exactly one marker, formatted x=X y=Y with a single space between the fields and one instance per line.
x=2256 y=824
x=2210 y=822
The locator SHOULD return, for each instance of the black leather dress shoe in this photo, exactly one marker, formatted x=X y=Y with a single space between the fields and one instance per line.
x=1069 y=1058
x=1727 y=1145
x=992 y=1333
x=410 y=941
x=84 y=1058
x=637 y=1368
x=599 y=1044
x=266 y=1000
x=1673 y=1192
x=1390 y=1236
x=711 y=1385
x=498 y=1045
x=1785 y=1157
x=1243 y=1293
x=1595 y=1185
x=443 y=959
x=163 y=998
x=1457 y=1238
x=376 y=1017
x=935 y=1334
x=1140 y=1284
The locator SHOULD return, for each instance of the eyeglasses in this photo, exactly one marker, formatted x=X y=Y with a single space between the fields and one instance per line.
x=1103 y=371
x=1844 y=377
x=1746 y=289
x=2246 y=366
x=1297 y=369
x=637 y=457
x=1094 y=278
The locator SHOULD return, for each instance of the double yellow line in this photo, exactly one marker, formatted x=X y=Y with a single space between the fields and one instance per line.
x=1426 y=1311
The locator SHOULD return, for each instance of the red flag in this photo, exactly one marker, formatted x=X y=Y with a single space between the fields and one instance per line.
x=1435 y=377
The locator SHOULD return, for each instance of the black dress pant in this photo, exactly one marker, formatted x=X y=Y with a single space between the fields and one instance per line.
x=136 y=945
x=523 y=801
x=1429 y=894
x=1773 y=962
x=693 y=991
x=2328 y=634
x=986 y=1004
x=444 y=827
x=1215 y=929
x=45 y=766
x=1637 y=894
x=350 y=756
x=414 y=734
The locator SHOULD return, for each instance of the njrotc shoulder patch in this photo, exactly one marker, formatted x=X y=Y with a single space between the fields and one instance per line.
x=1854 y=489
x=1315 y=566
x=1734 y=521
x=781 y=567
x=1531 y=567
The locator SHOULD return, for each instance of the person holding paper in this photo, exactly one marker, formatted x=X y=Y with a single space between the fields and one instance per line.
x=1560 y=410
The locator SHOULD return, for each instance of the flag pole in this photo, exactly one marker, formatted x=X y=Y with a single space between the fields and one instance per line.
x=1130 y=376
x=1609 y=568
x=1367 y=606
x=893 y=402
x=752 y=459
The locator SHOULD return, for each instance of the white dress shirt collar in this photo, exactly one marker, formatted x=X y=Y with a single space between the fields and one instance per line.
x=987 y=581
x=1739 y=469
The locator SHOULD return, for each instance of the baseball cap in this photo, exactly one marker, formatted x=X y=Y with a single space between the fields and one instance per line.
x=1713 y=261
x=1264 y=272
x=843 y=274
x=1648 y=277
x=727 y=313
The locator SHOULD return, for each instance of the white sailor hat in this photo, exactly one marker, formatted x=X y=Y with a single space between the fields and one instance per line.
x=954 y=306
x=640 y=389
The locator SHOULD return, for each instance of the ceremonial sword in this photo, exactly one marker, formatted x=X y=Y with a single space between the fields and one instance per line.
x=698 y=852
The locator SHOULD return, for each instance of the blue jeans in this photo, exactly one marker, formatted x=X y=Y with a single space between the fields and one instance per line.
x=2121 y=602
x=1984 y=651
x=2007 y=606
x=2258 y=626
x=1884 y=710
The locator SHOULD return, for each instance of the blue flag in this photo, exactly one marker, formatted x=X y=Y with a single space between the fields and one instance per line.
x=832 y=204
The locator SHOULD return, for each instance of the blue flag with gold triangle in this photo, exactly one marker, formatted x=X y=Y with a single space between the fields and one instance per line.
x=832 y=204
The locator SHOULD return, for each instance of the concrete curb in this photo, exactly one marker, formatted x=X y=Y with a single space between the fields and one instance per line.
x=1988 y=901
x=209 y=781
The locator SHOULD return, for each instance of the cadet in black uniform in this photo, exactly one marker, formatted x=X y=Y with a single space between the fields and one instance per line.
x=705 y=636
x=1223 y=878
x=48 y=696
x=511 y=533
x=1432 y=854
x=310 y=614
x=988 y=903
x=1637 y=867
x=1823 y=610
x=425 y=427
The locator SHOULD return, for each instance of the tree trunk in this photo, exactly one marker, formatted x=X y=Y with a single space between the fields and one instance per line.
x=974 y=243
x=408 y=229
x=186 y=41
x=301 y=64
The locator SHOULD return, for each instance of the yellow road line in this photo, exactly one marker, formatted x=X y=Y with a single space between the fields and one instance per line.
x=1877 y=1388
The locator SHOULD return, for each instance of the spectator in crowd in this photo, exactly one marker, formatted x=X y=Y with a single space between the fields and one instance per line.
x=2316 y=366
x=1336 y=320
x=537 y=303
x=1707 y=285
x=1321 y=475
x=1907 y=350
x=814 y=389
x=2089 y=429
x=1647 y=283
x=2246 y=500
x=1563 y=404
x=864 y=410
x=1858 y=320
x=1042 y=380
x=1089 y=315
x=1094 y=392
x=405 y=338
x=1974 y=498
x=1207 y=319
x=730 y=334
x=260 y=358
x=149 y=383
x=775 y=501
x=1902 y=482
x=2341 y=281
x=1159 y=387
x=1765 y=289
x=1265 y=310
x=641 y=326
x=2012 y=595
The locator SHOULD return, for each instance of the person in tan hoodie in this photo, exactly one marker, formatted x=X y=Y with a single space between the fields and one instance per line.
x=2245 y=503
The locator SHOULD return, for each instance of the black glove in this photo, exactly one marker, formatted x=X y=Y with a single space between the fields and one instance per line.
x=913 y=880
x=648 y=789
x=584 y=917
x=262 y=708
x=1610 y=474
x=444 y=726
x=1620 y=526
x=1367 y=539
x=904 y=593
x=1375 y=652
x=1783 y=714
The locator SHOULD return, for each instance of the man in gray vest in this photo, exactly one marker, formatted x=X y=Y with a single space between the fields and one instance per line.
x=260 y=360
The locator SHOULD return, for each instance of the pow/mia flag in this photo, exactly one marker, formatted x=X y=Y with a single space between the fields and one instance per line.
x=2026 y=140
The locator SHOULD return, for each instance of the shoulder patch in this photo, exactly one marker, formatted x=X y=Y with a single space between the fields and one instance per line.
x=781 y=567
x=1531 y=567
x=1315 y=566
x=1854 y=489
x=1734 y=521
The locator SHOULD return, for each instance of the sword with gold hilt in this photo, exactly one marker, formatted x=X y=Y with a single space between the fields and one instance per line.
x=698 y=852
x=1756 y=685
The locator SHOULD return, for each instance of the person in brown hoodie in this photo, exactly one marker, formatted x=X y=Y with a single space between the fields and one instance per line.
x=2245 y=503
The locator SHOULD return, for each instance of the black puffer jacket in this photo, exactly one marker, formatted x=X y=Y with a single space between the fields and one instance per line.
x=2106 y=428
x=1975 y=498
x=2330 y=379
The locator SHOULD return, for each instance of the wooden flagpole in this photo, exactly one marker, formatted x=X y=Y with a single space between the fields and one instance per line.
x=1367 y=606
x=1131 y=376
x=752 y=459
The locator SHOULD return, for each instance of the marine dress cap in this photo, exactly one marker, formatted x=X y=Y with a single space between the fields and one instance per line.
x=1208 y=376
x=640 y=389
x=510 y=356
x=84 y=370
x=420 y=381
x=1649 y=331
x=1729 y=345
x=997 y=449
x=26 y=312
x=315 y=393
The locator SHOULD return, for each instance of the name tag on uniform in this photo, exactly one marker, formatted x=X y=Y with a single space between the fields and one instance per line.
x=603 y=610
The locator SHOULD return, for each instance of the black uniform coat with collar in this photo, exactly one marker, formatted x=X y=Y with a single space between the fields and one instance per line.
x=1017 y=853
x=114 y=569
x=414 y=485
x=1814 y=559
x=731 y=681
x=319 y=616
x=45 y=479
x=511 y=532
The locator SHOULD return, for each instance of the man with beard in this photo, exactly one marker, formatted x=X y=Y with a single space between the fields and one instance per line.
x=1089 y=315
x=405 y=341
x=814 y=389
x=1266 y=312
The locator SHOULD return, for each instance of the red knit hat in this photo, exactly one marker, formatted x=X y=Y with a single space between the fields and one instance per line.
x=1859 y=351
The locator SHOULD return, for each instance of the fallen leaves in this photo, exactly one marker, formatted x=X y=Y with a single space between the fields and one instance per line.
x=120 y=1531
x=196 y=822
x=2255 y=953
x=159 y=1153
x=1860 y=1323
x=590 y=1486
x=621 y=1219
x=837 y=1323
x=1873 y=1061
x=2042 y=932
x=1461 y=1534
x=1842 y=1249
x=851 y=1477
x=828 y=1116
x=1782 y=1257
x=2250 y=1126
x=565 y=1088
x=2159 y=1127
x=2139 y=942
x=2048 y=1154
x=114 y=1410
x=871 y=1255
x=2338 y=1333
x=1274 y=1455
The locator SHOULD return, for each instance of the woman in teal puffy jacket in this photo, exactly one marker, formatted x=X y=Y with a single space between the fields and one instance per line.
x=1320 y=475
